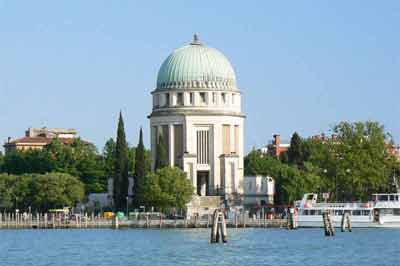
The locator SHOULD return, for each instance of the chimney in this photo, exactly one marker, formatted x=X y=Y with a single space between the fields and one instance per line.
x=8 y=139
x=277 y=144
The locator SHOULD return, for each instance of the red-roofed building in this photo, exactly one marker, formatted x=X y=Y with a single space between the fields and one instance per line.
x=37 y=138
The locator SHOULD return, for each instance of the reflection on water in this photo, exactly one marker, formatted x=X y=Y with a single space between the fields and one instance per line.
x=191 y=247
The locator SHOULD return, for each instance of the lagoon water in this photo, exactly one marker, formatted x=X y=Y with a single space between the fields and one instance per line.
x=191 y=247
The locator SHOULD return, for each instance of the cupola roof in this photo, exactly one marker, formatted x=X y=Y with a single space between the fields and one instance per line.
x=196 y=66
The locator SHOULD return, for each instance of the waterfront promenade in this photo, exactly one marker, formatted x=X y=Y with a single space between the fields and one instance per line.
x=48 y=221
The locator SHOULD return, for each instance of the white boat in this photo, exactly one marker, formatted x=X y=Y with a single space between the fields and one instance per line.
x=382 y=211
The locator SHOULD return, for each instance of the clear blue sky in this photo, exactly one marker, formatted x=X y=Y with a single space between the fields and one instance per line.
x=302 y=65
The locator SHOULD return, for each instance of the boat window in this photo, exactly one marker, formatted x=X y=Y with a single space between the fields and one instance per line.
x=356 y=212
x=391 y=197
x=382 y=197
x=396 y=198
x=310 y=197
x=312 y=212
x=319 y=212
x=339 y=212
x=366 y=212
x=305 y=212
x=396 y=212
x=387 y=211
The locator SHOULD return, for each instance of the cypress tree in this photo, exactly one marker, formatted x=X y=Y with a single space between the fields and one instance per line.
x=295 y=153
x=140 y=164
x=121 y=180
x=161 y=155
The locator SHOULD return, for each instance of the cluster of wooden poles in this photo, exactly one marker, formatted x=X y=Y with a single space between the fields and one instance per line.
x=329 y=228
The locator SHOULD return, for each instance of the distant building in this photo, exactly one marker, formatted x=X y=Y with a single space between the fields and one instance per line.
x=258 y=190
x=276 y=147
x=105 y=200
x=37 y=138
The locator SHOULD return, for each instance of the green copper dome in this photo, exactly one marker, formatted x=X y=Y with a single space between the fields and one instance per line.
x=196 y=66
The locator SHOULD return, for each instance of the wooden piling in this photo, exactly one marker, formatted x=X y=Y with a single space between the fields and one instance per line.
x=218 y=229
x=236 y=220
x=86 y=220
x=115 y=223
x=328 y=226
x=346 y=222
x=214 y=230
x=222 y=224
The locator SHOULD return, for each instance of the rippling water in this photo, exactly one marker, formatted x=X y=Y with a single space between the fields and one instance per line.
x=191 y=247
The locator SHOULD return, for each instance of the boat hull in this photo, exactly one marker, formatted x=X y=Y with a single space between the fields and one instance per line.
x=310 y=221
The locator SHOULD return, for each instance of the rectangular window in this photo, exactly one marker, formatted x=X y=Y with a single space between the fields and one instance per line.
x=154 y=136
x=178 y=145
x=191 y=98
x=203 y=147
x=226 y=139
x=165 y=137
x=166 y=99
x=233 y=99
x=223 y=96
x=203 y=97
x=233 y=179
x=179 y=98
x=236 y=137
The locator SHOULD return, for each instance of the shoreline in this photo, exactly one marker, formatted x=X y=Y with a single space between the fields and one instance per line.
x=41 y=222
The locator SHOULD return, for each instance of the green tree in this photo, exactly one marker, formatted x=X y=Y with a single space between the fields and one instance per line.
x=167 y=188
x=352 y=166
x=109 y=157
x=30 y=161
x=363 y=164
x=140 y=164
x=121 y=181
x=161 y=154
x=39 y=191
x=295 y=152
x=290 y=182
x=56 y=190
x=1 y=161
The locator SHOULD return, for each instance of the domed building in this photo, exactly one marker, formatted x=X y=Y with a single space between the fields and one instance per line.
x=197 y=111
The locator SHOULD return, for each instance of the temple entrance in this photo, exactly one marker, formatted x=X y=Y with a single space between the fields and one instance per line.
x=202 y=183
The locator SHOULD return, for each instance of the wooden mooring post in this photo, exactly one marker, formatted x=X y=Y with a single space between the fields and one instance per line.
x=115 y=223
x=218 y=228
x=346 y=221
x=328 y=225
x=292 y=219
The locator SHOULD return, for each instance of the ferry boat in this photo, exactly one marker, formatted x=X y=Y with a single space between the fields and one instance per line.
x=382 y=211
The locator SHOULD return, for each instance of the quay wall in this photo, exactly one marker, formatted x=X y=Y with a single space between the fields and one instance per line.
x=46 y=221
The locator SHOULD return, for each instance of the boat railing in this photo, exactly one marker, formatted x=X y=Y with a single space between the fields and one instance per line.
x=347 y=205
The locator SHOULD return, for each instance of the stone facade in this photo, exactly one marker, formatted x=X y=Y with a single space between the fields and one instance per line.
x=201 y=121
